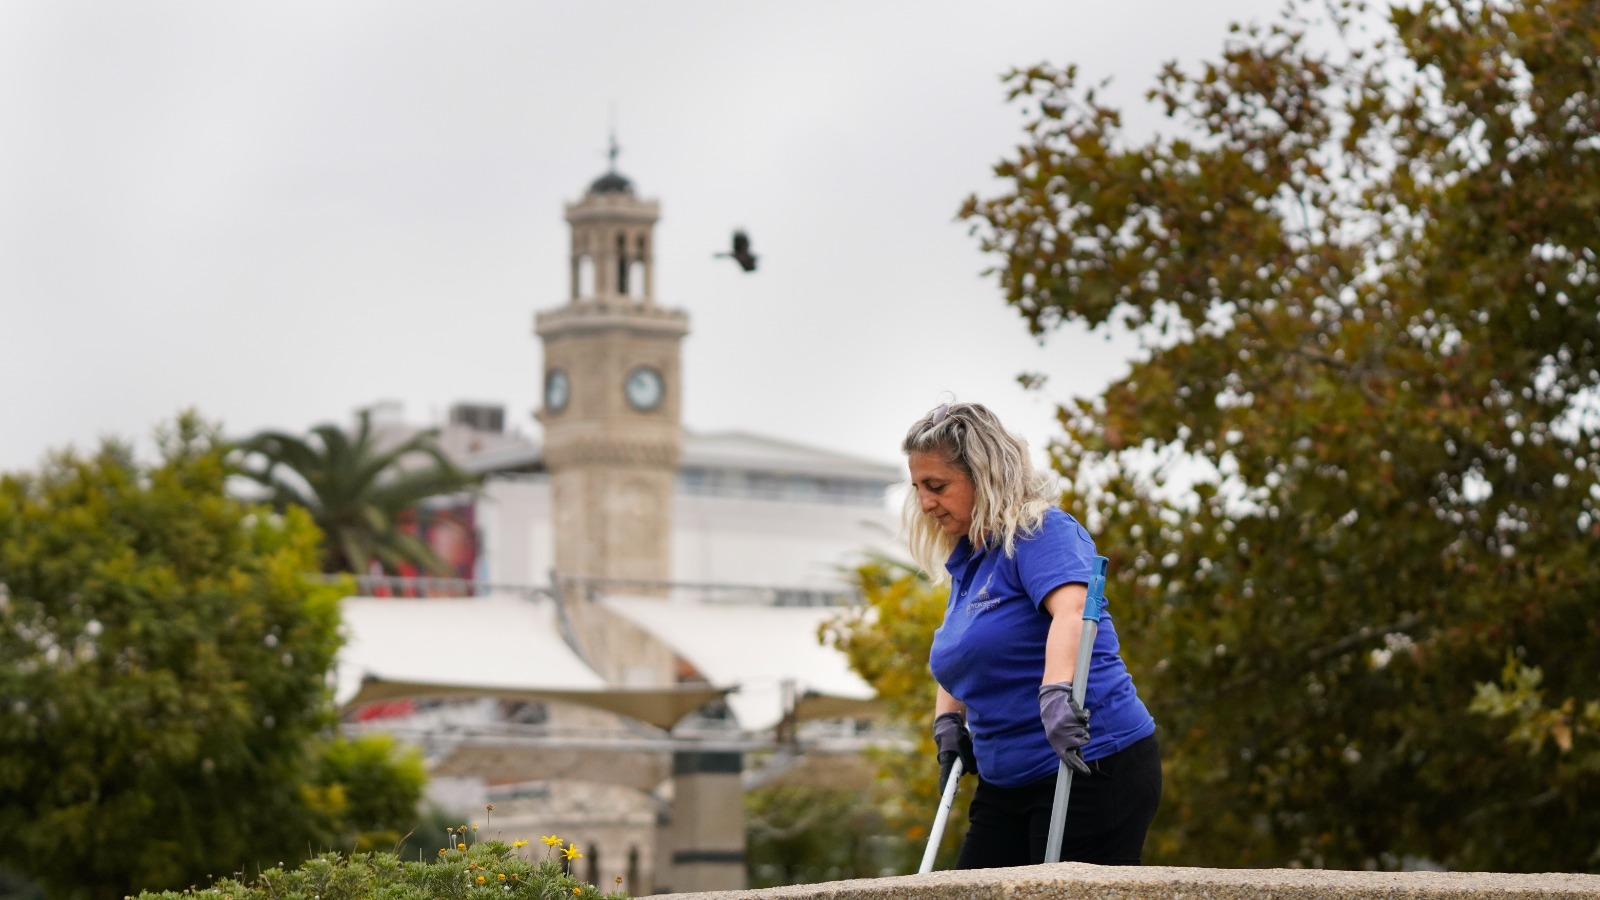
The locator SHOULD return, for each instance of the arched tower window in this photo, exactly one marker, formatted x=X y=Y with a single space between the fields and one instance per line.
x=593 y=875
x=633 y=886
x=636 y=280
x=622 y=265
x=641 y=262
x=584 y=285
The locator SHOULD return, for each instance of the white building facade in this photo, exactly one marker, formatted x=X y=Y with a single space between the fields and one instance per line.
x=746 y=510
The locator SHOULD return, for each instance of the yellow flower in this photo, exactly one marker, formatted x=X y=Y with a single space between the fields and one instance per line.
x=502 y=876
x=474 y=826
x=550 y=840
x=514 y=877
x=461 y=846
x=481 y=879
x=443 y=850
x=577 y=890
x=572 y=851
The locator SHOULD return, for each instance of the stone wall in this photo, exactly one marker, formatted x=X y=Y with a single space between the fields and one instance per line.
x=1071 y=881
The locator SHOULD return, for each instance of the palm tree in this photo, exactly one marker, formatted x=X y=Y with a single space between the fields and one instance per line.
x=356 y=490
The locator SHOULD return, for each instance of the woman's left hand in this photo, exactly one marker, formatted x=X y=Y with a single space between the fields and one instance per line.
x=1066 y=724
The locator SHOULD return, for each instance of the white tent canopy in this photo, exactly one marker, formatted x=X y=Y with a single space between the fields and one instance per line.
x=501 y=646
x=755 y=649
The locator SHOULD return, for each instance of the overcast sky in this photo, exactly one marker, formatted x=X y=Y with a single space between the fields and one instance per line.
x=279 y=212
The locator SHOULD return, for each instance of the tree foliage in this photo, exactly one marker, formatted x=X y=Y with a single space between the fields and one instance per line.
x=357 y=490
x=366 y=791
x=807 y=834
x=164 y=679
x=506 y=870
x=1366 y=279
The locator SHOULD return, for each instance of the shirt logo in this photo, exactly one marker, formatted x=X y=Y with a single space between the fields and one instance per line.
x=983 y=600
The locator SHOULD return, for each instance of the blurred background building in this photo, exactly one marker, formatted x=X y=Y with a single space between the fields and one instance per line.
x=630 y=638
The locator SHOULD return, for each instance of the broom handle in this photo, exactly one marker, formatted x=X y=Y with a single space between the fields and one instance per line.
x=941 y=817
x=1080 y=681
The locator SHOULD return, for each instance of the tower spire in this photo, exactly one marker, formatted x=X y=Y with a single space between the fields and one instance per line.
x=614 y=149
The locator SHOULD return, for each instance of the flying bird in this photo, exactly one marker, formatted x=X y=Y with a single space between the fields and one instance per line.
x=741 y=252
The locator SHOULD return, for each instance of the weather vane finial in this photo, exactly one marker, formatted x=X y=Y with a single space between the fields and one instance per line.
x=614 y=148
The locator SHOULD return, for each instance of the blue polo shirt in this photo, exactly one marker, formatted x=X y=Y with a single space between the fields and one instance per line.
x=989 y=653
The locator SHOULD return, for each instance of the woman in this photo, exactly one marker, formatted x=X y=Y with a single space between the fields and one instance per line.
x=982 y=516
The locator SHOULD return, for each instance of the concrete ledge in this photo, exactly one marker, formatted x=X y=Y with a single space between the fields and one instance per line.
x=1077 y=880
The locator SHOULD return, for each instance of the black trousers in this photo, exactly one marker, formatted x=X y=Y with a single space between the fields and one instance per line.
x=1108 y=813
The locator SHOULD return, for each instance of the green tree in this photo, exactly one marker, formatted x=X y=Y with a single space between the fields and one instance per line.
x=1366 y=278
x=367 y=790
x=164 y=678
x=356 y=489
x=807 y=834
x=1567 y=728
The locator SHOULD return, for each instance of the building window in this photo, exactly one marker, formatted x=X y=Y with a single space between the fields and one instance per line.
x=585 y=276
x=782 y=487
x=622 y=265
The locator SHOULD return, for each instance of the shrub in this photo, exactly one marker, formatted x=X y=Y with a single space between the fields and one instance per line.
x=479 y=871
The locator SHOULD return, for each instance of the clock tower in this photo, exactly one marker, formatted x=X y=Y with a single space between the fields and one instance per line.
x=611 y=406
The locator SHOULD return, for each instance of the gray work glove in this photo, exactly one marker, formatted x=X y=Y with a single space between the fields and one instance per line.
x=951 y=737
x=1066 y=724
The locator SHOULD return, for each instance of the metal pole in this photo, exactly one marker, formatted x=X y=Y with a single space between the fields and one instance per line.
x=1080 y=680
x=941 y=817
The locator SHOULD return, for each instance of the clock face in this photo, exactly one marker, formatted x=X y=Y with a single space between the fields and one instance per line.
x=643 y=388
x=556 y=391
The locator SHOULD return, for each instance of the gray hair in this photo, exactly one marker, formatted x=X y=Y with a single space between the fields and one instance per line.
x=1009 y=496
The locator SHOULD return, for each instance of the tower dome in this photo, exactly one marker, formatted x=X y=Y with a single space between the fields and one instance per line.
x=612 y=182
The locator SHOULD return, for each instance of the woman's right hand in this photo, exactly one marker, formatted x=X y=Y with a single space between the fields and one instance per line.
x=953 y=741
